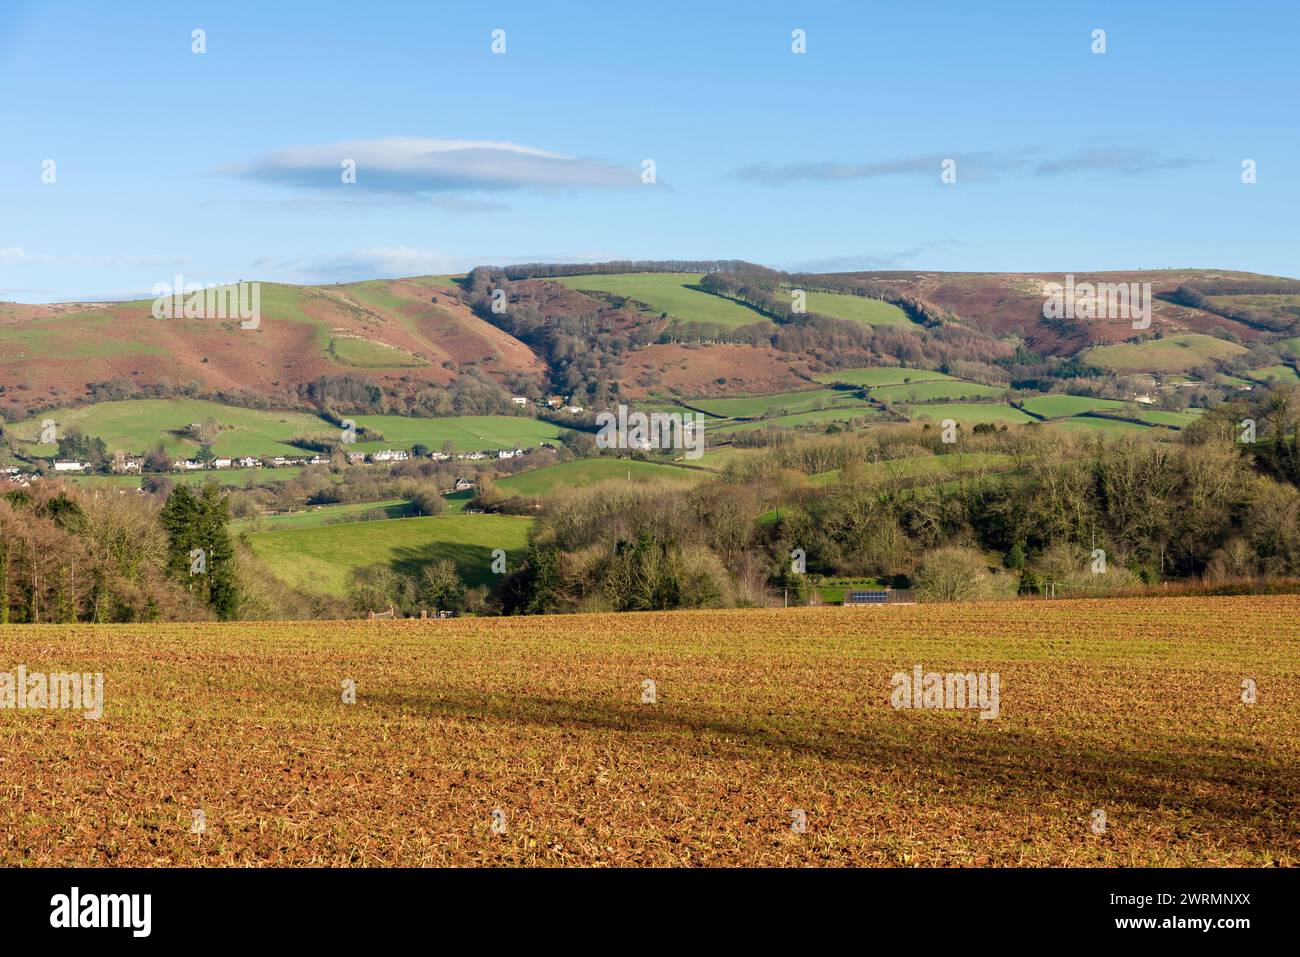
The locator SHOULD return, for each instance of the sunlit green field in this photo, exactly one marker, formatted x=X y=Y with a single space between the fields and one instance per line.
x=816 y=417
x=1283 y=375
x=319 y=559
x=968 y=414
x=226 y=478
x=744 y=407
x=466 y=433
x=1171 y=354
x=138 y=425
x=365 y=354
x=943 y=389
x=1177 y=420
x=881 y=375
x=580 y=472
x=317 y=515
x=857 y=309
x=673 y=293
x=1060 y=406
x=1088 y=423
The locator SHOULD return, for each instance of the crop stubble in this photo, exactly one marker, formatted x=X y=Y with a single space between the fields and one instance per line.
x=1132 y=706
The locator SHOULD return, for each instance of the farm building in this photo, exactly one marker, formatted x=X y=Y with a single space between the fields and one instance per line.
x=865 y=597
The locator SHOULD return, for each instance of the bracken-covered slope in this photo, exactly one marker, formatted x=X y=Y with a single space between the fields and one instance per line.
x=401 y=334
x=1011 y=304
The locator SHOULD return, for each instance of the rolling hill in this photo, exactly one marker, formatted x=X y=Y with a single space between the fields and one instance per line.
x=401 y=334
x=658 y=333
x=1011 y=304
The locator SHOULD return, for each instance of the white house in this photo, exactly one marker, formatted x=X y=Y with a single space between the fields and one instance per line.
x=70 y=466
x=518 y=400
x=505 y=453
x=439 y=456
x=356 y=458
x=248 y=462
x=190 y=465
x=463 y=484
x=221 y=463
x=390 y=455
x=574 y=409
x=318 y=460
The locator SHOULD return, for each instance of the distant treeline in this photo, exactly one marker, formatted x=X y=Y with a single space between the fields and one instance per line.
x=556 y=270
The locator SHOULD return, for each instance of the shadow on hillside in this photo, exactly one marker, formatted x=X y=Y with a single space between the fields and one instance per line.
x=474 y=562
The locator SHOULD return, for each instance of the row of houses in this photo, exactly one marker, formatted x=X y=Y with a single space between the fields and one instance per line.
x=251 y=462
x=128 y=464
x=399 y=455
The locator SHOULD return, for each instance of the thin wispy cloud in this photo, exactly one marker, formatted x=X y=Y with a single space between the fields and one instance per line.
x=18 y=256
x=769 y=174
x=414 y=166
x=871 y=261
x=1122 y=162
x=381 y=262
x=368 y=202
x=971 y=167
x=6 y=293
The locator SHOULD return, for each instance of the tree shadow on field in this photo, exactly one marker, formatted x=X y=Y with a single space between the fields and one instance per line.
x=473 y=562
x=970 y=761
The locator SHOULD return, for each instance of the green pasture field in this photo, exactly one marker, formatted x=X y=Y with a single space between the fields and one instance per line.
x=580 y=472
x=678 y=294
x=318 y=559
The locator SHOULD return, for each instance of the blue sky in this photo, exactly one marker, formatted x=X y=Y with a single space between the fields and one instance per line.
x=227 y=165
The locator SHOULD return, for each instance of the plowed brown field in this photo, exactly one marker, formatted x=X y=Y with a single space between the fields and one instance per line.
x=1133 y=707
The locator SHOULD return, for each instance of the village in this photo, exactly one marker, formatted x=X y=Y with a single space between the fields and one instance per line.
x=125 y=463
